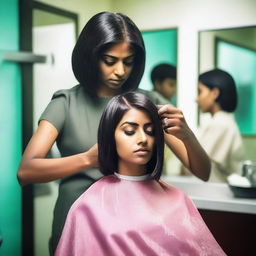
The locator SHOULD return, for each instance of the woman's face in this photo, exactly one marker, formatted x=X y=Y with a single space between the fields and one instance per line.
x=206 y=98
x=116 y=65
x=134 y=136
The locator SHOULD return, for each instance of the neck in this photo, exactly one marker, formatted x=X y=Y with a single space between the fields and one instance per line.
x=216 y=108
x=131 y=170
x=108 y=92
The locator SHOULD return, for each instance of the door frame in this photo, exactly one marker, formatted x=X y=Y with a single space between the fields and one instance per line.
x=26 y=8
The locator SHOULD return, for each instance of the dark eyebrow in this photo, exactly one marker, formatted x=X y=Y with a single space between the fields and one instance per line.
x=110 y=56
x=113 y=57
x=130 y=123
x=135 y=124
x=148 y=124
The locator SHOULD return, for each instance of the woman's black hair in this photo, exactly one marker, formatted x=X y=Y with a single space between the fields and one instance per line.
x=223 y=81
x=102 y=31
x=113 y=113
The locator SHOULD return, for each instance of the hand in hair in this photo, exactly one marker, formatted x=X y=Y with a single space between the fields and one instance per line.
x=182 y=141
x=174 y=122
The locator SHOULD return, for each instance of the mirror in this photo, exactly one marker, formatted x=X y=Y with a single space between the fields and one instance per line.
x=234 y=50
x=161 y=47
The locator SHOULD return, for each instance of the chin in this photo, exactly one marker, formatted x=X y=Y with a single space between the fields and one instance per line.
x=143 y=162
x=115 y=87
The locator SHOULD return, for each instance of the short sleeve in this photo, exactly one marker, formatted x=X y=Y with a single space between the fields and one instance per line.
x=55 y=112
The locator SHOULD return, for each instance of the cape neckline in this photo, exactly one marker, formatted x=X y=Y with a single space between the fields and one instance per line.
x=132 y=178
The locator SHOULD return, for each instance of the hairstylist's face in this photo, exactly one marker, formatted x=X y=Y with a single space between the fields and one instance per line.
x=206 y=98
x=134 y=136
x=116 y=65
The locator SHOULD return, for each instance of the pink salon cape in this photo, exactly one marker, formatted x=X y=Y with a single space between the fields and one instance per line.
x=117 y=216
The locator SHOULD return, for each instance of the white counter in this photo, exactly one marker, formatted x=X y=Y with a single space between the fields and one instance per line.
x=212 y=196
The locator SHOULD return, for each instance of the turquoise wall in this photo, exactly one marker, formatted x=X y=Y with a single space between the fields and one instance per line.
x=240 y=62
x=161 y=47
x=10 y=132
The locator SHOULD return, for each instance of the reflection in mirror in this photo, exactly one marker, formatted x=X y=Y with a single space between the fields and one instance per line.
x=234 y=50
x=161 y=47
x=240 y=61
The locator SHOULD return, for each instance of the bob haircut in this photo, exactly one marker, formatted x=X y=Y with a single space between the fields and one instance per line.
x=113 y=113
x=101 y=32
x=223 y=81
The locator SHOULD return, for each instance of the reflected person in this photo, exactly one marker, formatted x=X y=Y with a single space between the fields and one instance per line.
x=221 y=137
x=163 y=77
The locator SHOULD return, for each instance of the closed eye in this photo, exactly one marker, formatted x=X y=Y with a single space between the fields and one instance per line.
x=108 y=61
x=129 y=133
x=149 y=129
x=129 y=61
x=111 y=60
x=150 y=132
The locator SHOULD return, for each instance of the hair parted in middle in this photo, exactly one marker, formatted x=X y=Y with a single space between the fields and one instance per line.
x=113 y=113
x=102 y=31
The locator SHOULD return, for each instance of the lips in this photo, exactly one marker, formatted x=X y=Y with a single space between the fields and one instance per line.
x=116 y=80
x=141 y=150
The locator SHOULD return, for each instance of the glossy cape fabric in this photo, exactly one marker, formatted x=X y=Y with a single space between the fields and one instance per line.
x=121 y=217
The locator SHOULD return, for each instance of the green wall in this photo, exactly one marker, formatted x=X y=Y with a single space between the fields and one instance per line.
x=241 y=63
x=10 y=132
x=161 y=47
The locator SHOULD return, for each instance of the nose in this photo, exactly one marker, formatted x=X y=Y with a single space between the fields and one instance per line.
x=120 y=69
x=142 y=138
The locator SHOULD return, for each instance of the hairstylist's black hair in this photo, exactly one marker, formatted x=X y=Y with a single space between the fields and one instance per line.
x=222 y=80
x=163 y=71
x=102 y=31
x=113 y=113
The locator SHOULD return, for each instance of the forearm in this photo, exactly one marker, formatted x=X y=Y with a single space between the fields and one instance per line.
x=183 y=142
x=41 y=170
x=199 y=162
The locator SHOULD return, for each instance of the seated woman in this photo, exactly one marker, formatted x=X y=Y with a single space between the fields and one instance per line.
x=131 y=211
x=220 y=138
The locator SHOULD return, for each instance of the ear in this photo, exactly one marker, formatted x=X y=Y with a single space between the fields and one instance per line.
x=215 y=92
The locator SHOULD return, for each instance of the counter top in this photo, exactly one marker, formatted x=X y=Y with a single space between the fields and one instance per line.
x=212 y=196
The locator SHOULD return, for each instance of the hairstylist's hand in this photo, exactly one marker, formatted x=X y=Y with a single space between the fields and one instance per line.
x=174 y=122
x=92 y=155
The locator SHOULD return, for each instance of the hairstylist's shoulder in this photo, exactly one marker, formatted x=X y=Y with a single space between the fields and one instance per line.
x=56 y=110
x=66 y=93
x=154 y=96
